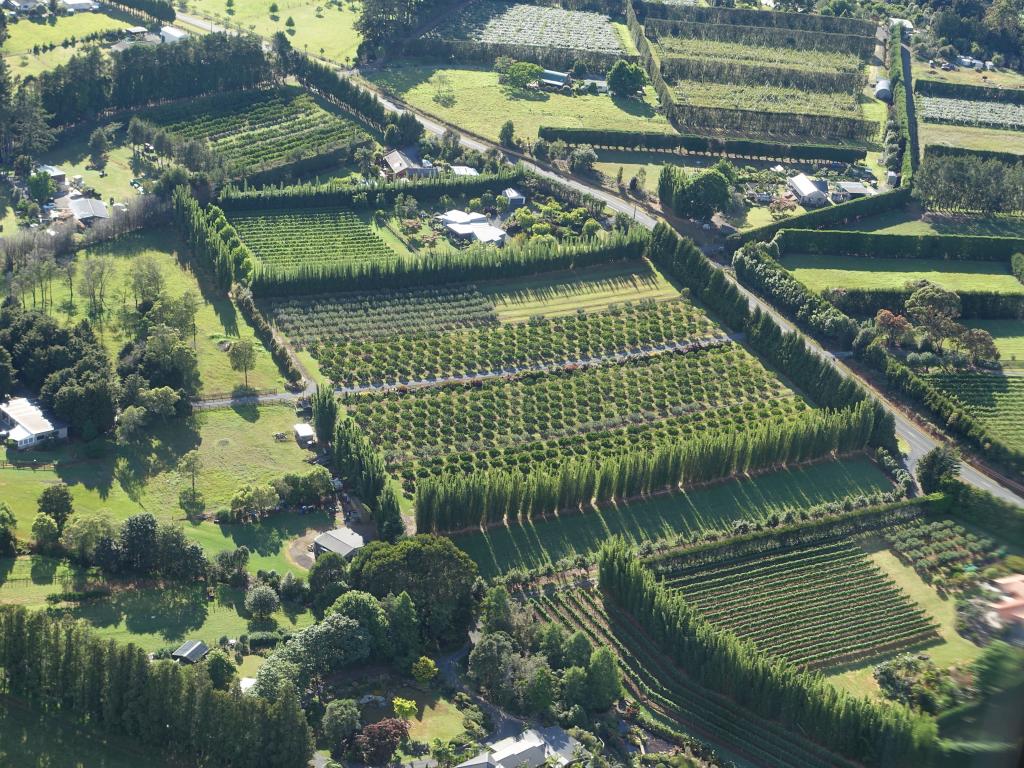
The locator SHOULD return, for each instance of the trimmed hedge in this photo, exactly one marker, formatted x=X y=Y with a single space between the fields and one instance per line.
x=975 y=305
x=332 y=195
x=843 y=213
x=265 y=333
x=980 y=508
x=1017 y=266
x=896 y=246
x=475 y=52
x=649 y=140
x=941 y=150
x=965 y=91
x=756 y=122
x=859 y=45
x=747 y=73
x=719 y=14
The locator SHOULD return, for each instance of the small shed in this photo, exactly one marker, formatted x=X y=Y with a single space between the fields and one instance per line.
x=341 y=541
x=57 y=175
x=191 y=652
x=464 y=170
x=551 y=78
x=515 y=198
x=883 y=90
x=304 y=434
x=892 y=179
x=597 y=86
x=850 y=190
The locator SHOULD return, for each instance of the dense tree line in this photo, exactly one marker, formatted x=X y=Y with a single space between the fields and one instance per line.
x=204 y=231
x=862 y=730
x=980 y=305
x=757 y=268
x=63 y=667
x=970 y=183
x=725 y=14
x=92 y=82
x=455 y=502
x=326 y=81
x=161 y=10
x=357 y=461
x=652 y=140
x=898 y=246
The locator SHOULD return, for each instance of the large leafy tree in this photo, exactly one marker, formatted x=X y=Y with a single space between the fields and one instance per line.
x=438 y=576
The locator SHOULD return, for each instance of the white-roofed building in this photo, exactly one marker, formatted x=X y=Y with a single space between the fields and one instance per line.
x=80 y=6
x=883 y=90
x=172 y=34
x=305 y=435
x=461 y=217
x=25 y=424
x=809 y=192
x=532 y=748
x=479 y=233
x=341 y=541
x=464 y=170
x=516 y=199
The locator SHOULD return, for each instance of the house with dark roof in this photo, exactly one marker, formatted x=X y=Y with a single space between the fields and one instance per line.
x=190 y=652
x=400 y=164
x=555 y=80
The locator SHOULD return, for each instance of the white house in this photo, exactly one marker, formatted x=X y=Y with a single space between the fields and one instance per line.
x=809 y=192
x=341 y=541
x=25 y=424
x=461 y=217
x=531 y=749
x=80 y=6
x=172 y=34
x=25 y=6
x=479 y=233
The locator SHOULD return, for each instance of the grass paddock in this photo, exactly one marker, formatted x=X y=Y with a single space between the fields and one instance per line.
x=717 y=506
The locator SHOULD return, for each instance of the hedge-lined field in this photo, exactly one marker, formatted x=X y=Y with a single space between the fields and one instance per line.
x=575 y=339
x=256 y=130
x=670 y=702
x=820 y=273
x=997 y=400
x=545 y=420
x=337 y=318
x=309 y=237
x=815 y=606
x=501 y=549
x=723 y=50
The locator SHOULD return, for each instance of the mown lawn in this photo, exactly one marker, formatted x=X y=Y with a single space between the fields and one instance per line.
x=952 y=649
x=27 y=33
x=152 y=617
x=321 y=29
x=473 y=99
x=502 y=549
x=29 y=739
x=971 y=138
x=236 y=445
x=913 y=220
x=821 y=272
x=218 y=323
x=562 y=293
x=1009 y=338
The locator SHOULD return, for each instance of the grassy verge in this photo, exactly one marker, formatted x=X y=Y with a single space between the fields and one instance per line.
x=953 y=649
x=821 y=272
x=972 y=138
x=502 y=549
x=473 y=99
x=913 y=220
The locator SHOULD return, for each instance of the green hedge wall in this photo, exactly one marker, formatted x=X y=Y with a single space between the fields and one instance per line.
x=975 y=305
x=747 y=17
x=843 y=213
x=965 y=91
x=712 y=145
x=895 y=246
x=941 y=150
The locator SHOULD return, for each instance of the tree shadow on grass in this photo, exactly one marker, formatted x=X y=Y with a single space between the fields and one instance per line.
x=43 y=569
x=250 y=411
x=170 y=612
x=635 y=107
x=269 y=537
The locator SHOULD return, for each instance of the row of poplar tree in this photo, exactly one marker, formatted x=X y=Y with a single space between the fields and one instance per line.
x=62 y=666
x=873 y=734
x=454 y=502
